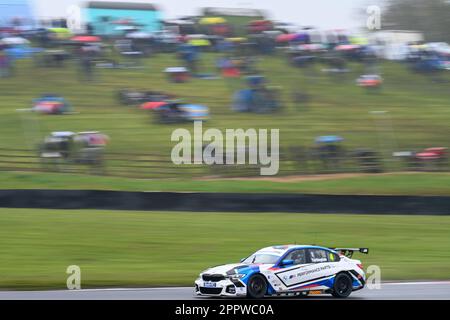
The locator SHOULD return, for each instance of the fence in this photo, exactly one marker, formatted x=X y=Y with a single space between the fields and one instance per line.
x=293 y=161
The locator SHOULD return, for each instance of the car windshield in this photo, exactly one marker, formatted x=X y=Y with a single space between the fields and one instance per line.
x=261 y=258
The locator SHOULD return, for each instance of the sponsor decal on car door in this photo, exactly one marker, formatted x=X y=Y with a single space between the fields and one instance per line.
x=301 y=274
x=318 y=268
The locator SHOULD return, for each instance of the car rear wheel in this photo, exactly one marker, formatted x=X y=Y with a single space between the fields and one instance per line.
x=256 y=287
x=342 y=286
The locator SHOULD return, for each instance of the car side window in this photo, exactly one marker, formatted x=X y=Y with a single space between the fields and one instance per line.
x=298 y=256
x=318 y=255
x=333 y=257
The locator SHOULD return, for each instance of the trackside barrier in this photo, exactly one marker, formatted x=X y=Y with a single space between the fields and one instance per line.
x=224 y=202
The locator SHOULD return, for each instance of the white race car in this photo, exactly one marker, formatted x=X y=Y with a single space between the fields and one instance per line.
x=286 y=270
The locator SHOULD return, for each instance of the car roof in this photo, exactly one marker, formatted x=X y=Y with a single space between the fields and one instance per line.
x=282 y=249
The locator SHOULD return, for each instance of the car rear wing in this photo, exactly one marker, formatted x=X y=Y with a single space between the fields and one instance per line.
x=348 y=252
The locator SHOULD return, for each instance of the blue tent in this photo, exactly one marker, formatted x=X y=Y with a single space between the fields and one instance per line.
x=243 y=100
x=329 y=139
x=188 y=52
x=302 y=37
x=22 y=52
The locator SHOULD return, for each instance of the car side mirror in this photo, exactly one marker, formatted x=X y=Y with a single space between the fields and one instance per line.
x=287 y=262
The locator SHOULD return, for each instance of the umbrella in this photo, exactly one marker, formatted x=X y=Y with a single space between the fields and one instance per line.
x=272 y=33
x=285 y=37
x=61 y=33
x=212 y=20
x=197 y=36
x=439 y=47
x=195 y=112
x=260 y=25
x=199 y=42
x=125 y=28
x=139 y=35
x=123 y=22
x=93 y=138
x=224 y=63
x=86 y=39
x=311 y=47
x=15 y=41
x=22 y=52
x=369 y=80
x=179 y=22
x=176 y=70
x=63 y=134
x=347 y=47
x=427 y=155
x=301 y=37
x=361 y=41
x=236 y=39
x=153 y=105
x=329 y=139
x=419 y=46
x=99 y=139
x=259 y=22
x=445 y=65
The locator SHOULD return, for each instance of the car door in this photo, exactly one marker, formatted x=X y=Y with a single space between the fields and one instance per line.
x=324 y=263
x=315 y=266
x=288 y=276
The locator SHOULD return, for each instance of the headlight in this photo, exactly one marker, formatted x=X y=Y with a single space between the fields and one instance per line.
x=237 y=276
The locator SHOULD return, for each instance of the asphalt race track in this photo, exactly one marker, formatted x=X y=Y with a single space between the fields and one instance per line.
x=388 y=291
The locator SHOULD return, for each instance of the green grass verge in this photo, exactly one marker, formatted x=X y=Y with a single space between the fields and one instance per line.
x=389 y=184
x=159 y=249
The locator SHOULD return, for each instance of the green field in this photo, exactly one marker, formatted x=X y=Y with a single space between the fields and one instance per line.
x=419 y=108
x=156 y=249
x=388 y=184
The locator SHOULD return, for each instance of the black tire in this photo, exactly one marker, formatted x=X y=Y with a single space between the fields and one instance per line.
x=343 y=286
x=256 y=287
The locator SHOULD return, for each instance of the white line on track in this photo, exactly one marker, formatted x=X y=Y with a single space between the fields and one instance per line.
x=128 y=289
x=415 y=283
x=183 y=288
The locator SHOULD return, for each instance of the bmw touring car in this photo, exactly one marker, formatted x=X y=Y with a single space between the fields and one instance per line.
x=286 y=270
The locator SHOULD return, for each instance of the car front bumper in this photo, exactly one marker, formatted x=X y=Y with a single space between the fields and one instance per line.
x=223 y=288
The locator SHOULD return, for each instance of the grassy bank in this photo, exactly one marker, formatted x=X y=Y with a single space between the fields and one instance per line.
x=156 y=249
x=388 y=184
x=418 y=108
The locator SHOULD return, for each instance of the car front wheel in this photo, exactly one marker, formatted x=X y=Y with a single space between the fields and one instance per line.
x=256 y=287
